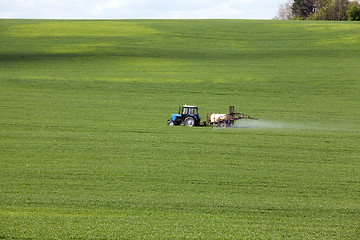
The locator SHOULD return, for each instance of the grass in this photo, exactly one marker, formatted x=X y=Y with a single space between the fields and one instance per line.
x=86 y=152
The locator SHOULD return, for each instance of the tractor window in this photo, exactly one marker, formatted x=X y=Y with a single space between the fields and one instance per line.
x=190 y=111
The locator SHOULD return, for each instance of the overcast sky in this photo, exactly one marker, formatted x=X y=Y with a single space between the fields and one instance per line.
x=139 y=9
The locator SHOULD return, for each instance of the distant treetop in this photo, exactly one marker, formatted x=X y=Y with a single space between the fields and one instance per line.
x=335 y=10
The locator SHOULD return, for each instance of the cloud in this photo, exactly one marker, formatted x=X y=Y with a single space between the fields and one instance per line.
x=116 y=4
x=143 y=9
x=172 y=9
x=219 y=10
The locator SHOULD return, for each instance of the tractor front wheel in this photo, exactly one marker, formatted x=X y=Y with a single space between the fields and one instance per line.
x=171 y=123
x=189 y=121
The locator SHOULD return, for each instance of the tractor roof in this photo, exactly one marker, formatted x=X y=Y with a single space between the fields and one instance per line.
x=187 y=106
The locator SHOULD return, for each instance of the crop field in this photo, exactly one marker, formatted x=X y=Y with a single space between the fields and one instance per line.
x=86 y=153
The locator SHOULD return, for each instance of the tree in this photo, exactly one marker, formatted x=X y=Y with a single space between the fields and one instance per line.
x=321 y=10
x=285 y=11
x=337 y=10
x=303 y=8
x=319 y=4
x=354 y=11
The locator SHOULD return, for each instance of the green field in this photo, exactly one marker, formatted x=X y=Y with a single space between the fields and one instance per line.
x=85 y=152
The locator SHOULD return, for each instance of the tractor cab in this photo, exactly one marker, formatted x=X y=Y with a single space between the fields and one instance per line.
x=189 y=110
x=187 y=115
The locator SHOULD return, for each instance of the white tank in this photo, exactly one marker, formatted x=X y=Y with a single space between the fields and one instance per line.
x=215 y=117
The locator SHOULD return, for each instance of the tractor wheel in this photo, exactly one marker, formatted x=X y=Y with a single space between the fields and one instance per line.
x=222 y=124
x=171 y=123
x=189 y=121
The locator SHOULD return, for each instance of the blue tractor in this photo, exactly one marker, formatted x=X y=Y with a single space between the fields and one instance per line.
x=188 y=115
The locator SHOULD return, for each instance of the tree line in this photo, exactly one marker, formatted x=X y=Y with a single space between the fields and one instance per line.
x=336 y=10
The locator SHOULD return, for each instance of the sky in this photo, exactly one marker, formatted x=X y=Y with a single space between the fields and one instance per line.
x=140 y=9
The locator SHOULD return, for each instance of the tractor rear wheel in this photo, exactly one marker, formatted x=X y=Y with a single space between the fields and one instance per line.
x=189 y=121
